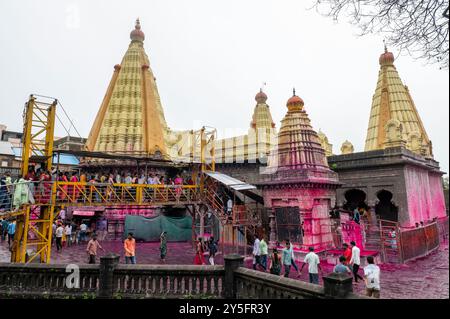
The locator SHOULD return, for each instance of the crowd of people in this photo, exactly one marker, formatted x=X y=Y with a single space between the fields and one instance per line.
x=349 y=263
x=36 y=185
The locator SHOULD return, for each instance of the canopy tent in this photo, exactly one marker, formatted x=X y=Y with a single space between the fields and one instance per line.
x=230 y=182
x=237 y=185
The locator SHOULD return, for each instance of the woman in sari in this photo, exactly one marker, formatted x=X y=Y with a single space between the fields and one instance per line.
x=178 y=186
x=73 y=191
x=163 y=246
x=275 y=263
x=64 y=189
x=199 y=258
x=46 y=181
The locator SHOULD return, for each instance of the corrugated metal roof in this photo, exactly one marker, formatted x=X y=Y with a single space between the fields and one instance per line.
x=66 y=159
x=6 y=148
x=230 y=182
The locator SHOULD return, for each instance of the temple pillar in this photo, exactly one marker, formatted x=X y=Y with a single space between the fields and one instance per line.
x=372 y=214
x=273 y=233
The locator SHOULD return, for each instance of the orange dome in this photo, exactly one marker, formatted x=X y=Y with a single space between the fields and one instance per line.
x=295 y=100
x=386 y=58
x=137 y=34
x=261 y=97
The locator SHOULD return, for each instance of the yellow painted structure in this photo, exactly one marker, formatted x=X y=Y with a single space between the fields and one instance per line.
x=325 y=143
x=255 y=145
x=394 y=120
x=131 y=119
x=38 y=136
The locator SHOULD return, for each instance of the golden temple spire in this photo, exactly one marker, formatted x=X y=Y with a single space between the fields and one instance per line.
x=394 y=120
x=131 y=119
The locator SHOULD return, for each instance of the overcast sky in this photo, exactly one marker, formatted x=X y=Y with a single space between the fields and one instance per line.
x=210 y=58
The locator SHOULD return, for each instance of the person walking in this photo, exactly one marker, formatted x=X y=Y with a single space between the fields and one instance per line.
x=5 y=225
x=264 y=253
x=83 y=231
x=198 y=259
x=355 y=261
x=342 y=267
x=11 y=232
x=163 y=246
x=347 y=253
x=372 y=278
x=313 y=261
x=68 y=232
x=92 y=247
x=275 y=263
x=293 y=260
x=287 y=259
x=130 y=249
x=256 y=252
x=58 y=236
x=212 y=248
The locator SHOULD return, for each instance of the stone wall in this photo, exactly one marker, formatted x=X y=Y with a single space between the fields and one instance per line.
x=314 y=206
x=110 y=280
x=414 y=181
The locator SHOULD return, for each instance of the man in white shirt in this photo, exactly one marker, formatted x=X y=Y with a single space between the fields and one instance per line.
x=59 y=234
x=372 y=278
x=355 y=261
x=229 y=206
x=83 y=229
x=256 y=252
x=68 y=231
x=313 y=262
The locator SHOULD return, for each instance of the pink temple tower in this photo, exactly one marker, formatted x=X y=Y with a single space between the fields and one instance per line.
x=299 y=188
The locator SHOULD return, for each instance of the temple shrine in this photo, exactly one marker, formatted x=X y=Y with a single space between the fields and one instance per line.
x=298 y=179
x=284 y=184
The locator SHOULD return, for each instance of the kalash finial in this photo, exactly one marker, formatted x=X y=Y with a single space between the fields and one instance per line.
x=293 y=91
x=386 y=58
x=137 y=34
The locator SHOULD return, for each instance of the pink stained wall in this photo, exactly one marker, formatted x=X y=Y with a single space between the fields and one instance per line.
x=437 y=196
x=314 y=206
x=425 y=196
x=120 y=212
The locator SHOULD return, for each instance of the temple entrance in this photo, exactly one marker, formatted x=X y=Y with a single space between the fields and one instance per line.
x=355 y=198
x=385 y=209
x=289 y=224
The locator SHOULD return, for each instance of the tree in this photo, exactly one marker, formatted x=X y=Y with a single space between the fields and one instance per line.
x=445 y=182
x=418 y=27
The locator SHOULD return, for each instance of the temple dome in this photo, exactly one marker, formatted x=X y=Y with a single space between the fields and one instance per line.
x=137 y=34
x=295 y=102
x=299 y=145
x=386 y=58
x=261 y=97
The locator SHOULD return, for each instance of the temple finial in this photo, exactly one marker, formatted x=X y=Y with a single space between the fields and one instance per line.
x=293 y=91
x=385 y=46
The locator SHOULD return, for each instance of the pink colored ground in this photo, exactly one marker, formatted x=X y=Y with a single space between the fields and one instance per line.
x=423 y=278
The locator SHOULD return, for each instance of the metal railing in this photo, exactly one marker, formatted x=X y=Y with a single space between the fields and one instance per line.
x=15 y=195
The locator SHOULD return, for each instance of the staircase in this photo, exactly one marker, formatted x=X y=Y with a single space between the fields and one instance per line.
x=390 y=241
x=372 y=236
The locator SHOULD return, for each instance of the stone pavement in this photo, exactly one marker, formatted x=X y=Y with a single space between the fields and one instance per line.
x=426 y=277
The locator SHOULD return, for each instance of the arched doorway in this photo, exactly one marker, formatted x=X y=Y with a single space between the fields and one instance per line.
x=355 y=198
x=385 y=209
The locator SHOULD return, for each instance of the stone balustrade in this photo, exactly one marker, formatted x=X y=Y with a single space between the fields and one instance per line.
x=113 y=280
